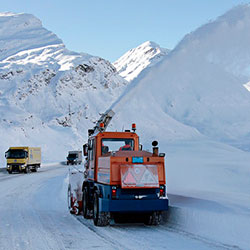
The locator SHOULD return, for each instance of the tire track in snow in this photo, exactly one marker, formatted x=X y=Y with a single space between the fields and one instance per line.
x=99 y=231
x=4 y=175
x=140 y=234
x=34 y=215
x=215 y=244
x=172 y=227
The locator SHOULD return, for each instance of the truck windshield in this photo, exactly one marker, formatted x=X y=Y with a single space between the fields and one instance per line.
x=16 y=154
x=72 y=156
x=116 y=144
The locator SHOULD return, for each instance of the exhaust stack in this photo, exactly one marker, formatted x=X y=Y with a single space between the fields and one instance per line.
x=155 y=148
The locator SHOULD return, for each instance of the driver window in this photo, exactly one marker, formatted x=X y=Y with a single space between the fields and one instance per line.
x=116 y=144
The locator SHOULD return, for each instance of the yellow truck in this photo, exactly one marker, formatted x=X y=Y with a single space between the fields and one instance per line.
x=23 y=159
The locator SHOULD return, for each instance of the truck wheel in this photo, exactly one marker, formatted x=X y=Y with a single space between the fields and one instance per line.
x=100 y=219
x=34 y=169
x=85 y=204
x=26 y=170
x=153 y=219
x=9 y=171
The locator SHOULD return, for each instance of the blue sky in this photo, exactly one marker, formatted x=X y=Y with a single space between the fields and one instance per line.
x=109 y=28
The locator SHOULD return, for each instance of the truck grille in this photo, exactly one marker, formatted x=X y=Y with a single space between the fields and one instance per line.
x=15 y=167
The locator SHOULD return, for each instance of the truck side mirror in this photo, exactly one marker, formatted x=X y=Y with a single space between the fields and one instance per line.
x=140 y=147
x=85 y=149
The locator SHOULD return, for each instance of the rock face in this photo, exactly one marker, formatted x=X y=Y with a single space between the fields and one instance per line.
x=44 y=87
x=132 y=63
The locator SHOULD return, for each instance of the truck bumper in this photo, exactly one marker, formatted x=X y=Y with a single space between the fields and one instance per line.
x=17 y=168
x=143 y=205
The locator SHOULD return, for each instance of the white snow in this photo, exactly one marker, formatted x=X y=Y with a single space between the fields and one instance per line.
x=194 y=100
x=132 y=63
x=34 y=215
x=200 y=82
x=194 y=103
x=48 y=94
x=247 y=86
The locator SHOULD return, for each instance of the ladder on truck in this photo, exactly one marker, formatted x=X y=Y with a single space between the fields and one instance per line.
x=105 y=119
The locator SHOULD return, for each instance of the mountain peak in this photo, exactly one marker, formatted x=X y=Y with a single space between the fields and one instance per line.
x=7 y=14
x=149 y=44
x=45 y=87
x=18 y=21
x=22 y=32
x=135 y=60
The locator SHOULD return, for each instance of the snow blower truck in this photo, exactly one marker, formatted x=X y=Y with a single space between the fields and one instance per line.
x=118 y=177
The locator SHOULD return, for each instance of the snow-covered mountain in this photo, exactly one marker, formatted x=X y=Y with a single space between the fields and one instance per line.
x=48 y=94
x=189 y=100
x=131 y=64
x=202 y=83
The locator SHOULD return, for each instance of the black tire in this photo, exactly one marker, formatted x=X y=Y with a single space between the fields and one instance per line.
x=100 y=219
x=153 y=219
x=9 y=171
x=85 y=204
x=26 y=170
x=34 y=169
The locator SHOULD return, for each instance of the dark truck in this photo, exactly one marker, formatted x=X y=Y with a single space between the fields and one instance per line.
x=74 y=157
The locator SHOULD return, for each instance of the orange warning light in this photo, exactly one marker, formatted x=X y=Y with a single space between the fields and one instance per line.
x=133 y=127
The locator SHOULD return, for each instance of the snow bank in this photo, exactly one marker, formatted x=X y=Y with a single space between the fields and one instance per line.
x=211 y=222
x=208 y=188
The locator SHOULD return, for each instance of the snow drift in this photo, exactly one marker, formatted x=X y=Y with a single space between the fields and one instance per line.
x=195 y=102
x=201 y=83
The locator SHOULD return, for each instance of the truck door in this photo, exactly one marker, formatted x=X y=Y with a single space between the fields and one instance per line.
x=91 y=158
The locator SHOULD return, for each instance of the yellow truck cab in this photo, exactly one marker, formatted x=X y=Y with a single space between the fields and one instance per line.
x=23 y=159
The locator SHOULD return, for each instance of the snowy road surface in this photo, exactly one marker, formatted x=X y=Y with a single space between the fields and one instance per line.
x=34 y=215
